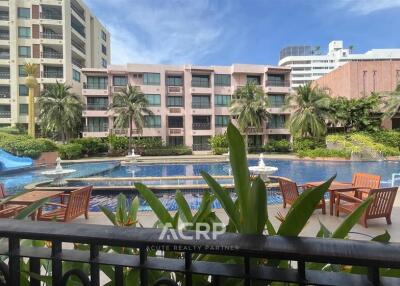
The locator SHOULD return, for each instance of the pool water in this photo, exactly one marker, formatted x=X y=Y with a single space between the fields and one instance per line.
x=299 y=171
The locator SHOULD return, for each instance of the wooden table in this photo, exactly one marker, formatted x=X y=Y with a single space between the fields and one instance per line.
x=334 y=187
x=34 y=196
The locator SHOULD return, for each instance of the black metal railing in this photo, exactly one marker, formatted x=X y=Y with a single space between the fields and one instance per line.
x=201 y=126
x=4 y=56
x=79 y=11
x=49 y=35
x=94 y=86
x=5 y=114
x=96 y=107
x=371 y=255
x=4 y=75
x=51 y=55
x=201 y=105
x=4 y=94
x=79 y=46
x=78 y=63
x=52 y=74
x=4 y=17
x=4 y=36
x=50 y=15
x=278 y=83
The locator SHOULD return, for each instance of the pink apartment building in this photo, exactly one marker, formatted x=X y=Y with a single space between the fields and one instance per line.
x=190 y=103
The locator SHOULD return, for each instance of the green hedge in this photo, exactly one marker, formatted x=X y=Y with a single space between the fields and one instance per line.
x=308 y=143
x=219 y=144
x=71 y=151
x=280 y=146
x=92 y=146
x=168 y=151
x=118 y=145
x=323 y=152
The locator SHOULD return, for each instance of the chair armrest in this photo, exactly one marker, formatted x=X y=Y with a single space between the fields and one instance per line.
x=348 y=198
x=56 y=205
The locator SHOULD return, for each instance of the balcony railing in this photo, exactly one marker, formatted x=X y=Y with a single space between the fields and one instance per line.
x=5 y=114
x=52 y=74
x=4 y=94
x=277 y=83
x=94 y=86
x=95 y=128
x=4 y=56
x=372 y=256
x=4 y=17
x=124 y=132
x=254 y=130
x=201 y=84
x=52 y=55
x=78 y=63
x=201 y=147
x=79 y=46
x=199 y=105
x=48 y=35
x=4 y=75
x=201 y=126
x=79 y=11
x=4 y=36
x=96 y=107
x=50 y=15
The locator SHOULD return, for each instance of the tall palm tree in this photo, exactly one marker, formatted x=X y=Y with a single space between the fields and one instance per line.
x=311 y=106
x=391 y=102
x=249 y=104
x=131 y=106
x=60 y=110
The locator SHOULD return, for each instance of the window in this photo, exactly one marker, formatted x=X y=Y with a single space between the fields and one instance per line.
x=97 y=124
x=21 y=71
x=174 y=80
x=276 y=100
x=154 y=99
x=175 y=141
x=200 y=81
x=151 y=79
x=97 y=103
x=201 y=143
x=256 y=79
x=175 y=122
x=24 y=52
x=221 y=120
x=24 y=13
x=276 y=121
x=24 y=32
x=104 y=63
x=222 y=80
x=104 y=49
x=201 y=101
x=104 y=36
x=276 y=80
x=175 y=101
x=222 y=100
x=120 y=80
x=255 y=141
x=152 y=121
x=23 y=90
x=94 y=82
x=76 y=76
x=23 y=109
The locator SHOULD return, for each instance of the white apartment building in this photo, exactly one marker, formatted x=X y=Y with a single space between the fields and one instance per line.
x=61 y=37
x=308 y=64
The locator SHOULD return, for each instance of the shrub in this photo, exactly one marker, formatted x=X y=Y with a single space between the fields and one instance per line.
x=387 y=137
x=323 y=152
x=168 y=151
x=220 y=150
x=308 y=143
x=70 y=151
x=255 y=149
x=118 y=145
x=10 y=130
x=147 y=142
x=91 y=146
x=219 y=144
x=281 y=146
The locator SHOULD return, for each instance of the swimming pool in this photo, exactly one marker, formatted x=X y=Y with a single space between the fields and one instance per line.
x=297 y=170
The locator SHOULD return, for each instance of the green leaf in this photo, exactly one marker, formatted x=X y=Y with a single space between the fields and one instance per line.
x=31 y=209
x=204 y=208
x=224 y=198
x=384 y=237
x=109 y=214
x=155 y=204
x=183 y=208
x=121 y=209
x=323 y=231
x=132 y=215
x=270 y=228
x=258 y=199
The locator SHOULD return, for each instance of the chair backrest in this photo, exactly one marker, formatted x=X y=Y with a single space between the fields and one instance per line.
x=289 y=190
x=368 y=181
x=2 y=191
x=78 y=202
x=383 y=202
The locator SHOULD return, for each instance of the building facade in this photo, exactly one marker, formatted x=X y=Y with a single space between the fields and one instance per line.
x=190 y=103
x=61 y=37
x=308 y=64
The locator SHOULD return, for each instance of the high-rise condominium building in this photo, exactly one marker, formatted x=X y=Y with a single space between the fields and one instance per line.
x=61 y=37
x=309 y=64
x=190 y=103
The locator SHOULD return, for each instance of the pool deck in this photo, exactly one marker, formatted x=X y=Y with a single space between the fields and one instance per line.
x=376 y=226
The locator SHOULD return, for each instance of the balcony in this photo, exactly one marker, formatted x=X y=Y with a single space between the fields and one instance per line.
x=78 y=10
x=4 y=17
x=101 y=107
x=4 y=75
x=4 y=56
x=50 y=15
x=277 y=83
x=201 y=126
x=52 y=36
x=78 y=46
x=174 y=89
x=5 y=93
x=5 y=114
x=4 y=36
x=51 y=55
x=201 y=147
x=95 y=128
x=52 y=74
x=94 y=86
x=175 y=131
x=78 y=63
x=255 y=130
x=197 y=105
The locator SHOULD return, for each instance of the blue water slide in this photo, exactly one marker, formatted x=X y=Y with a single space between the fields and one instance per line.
x=10 y=162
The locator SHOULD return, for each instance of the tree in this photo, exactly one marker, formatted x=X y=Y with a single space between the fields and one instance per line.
x=351 y=49
x=391 y=102
x=249 y=104
x=311 y=106
x=60 y=110
x=130 y=105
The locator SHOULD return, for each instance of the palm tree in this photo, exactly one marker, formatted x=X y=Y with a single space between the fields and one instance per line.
x=249 y=104
x=131 y=105
x=60 y=110
x=311 y=106
x=391 y=102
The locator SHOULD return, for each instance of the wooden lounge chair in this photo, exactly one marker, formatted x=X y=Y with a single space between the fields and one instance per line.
x=290 y=193
x=381 y=206
x=365 y=183
x=77 y=204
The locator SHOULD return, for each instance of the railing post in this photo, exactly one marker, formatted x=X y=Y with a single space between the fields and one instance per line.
x=34 y=267
x=247 y=281
x=94 y=265
x=143 y=269
x=119 y=276
x=373 y=275
x=14 y=261
x=301 y=270
x=56 y=249
x=188 y=265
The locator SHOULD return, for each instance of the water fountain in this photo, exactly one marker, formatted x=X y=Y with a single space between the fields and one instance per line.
x=131 y=158
x=262 y=170
x=58 y=174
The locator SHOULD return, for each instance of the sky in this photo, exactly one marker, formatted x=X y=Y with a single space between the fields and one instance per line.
x=224 y=32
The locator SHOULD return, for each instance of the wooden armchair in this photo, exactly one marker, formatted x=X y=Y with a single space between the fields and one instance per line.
x=290 y=193
x=8 y=211
x=365 y=183
x=381 y=206
x=74 y=205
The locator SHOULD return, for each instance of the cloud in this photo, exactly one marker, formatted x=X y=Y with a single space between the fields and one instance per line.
x=365 y=7
x=158 y=31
